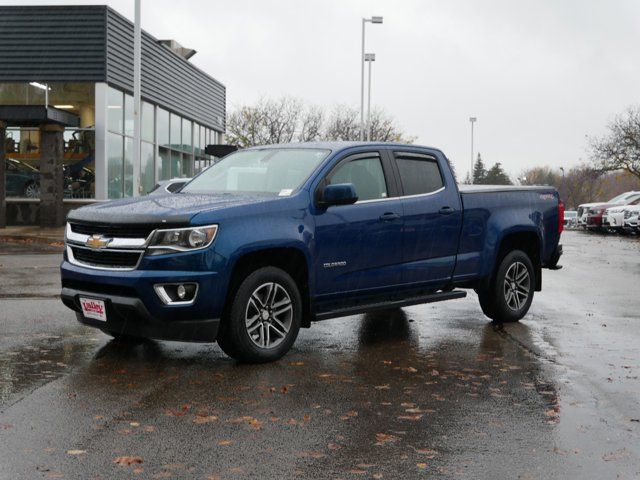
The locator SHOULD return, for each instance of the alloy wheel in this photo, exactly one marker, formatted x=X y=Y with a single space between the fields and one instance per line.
x=517 y=285
x=268 y=315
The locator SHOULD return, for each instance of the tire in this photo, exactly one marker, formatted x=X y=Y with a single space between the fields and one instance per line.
x=508 y=299
x=264 y=318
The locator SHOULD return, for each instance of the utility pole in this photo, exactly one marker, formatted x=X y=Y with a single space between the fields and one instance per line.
x=472 y=120
x=377 y=20
x=137 y=60
x=369 y=58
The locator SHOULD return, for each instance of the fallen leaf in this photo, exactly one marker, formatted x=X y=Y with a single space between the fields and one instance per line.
x=384 y=438
x=429 y=453
x=224 y=443
x=413 y=418
x=127 y=461
x=182 y=411
x=617 y=455
x=76 y=452
x=421 y=466
x=200 y=419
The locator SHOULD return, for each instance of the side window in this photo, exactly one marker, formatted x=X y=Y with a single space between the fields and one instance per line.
x=367 y=176
x=419 y=176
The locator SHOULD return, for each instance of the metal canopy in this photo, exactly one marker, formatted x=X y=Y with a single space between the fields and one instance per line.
x=34 y=115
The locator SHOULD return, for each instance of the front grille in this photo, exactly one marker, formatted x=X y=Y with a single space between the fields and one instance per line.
x=116 y=231
x=106 y=258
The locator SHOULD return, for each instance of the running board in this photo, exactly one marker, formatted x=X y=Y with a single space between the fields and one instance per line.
x=434 y=297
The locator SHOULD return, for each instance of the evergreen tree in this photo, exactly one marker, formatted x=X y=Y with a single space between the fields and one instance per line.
x=479 y=171
x=497 y=176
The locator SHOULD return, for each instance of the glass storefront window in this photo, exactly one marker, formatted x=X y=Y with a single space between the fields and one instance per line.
x=176 y=135
x=115 y=165
x=176 y=164
x=164 y=167
x=128 y=167
x=147 y=173
x=148 y=125
x=162 y=117
x=115 y=111
x=128 y=115
x=187 y=143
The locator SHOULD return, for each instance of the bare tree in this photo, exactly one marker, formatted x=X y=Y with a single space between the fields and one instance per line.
x=343 y=124
x=287 y=119
x=311 y=124
x=383 y=128
x=268 y=122
x=620 y=148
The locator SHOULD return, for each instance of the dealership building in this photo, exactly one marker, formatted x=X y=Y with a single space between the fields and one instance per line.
x=69 y=69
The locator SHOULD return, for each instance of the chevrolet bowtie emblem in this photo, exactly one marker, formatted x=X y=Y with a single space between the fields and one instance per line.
x=97 y=241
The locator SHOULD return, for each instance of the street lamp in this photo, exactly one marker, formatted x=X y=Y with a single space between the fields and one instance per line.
x=472 y=120
x=364 y=22
x=370 y=58
x=562 y=186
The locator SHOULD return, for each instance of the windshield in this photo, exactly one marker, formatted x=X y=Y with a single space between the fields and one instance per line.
x=272 y=171
x=620 y=197
x=25 y=167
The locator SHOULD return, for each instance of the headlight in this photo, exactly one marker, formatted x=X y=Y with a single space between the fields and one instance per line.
x=182 y=239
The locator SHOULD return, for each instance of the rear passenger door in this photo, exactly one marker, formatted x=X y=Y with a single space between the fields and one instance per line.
x=432 y=218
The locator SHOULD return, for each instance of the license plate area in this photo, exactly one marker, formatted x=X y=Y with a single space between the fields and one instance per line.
x=93 y=308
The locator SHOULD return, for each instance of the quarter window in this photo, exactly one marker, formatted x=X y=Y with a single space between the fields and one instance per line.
x=366 y=175
x=419 y=176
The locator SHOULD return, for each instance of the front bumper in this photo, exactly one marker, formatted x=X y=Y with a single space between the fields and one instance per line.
x=134 y=308
x=129 y=316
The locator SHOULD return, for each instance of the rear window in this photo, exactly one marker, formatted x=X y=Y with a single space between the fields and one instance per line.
x=419 y=175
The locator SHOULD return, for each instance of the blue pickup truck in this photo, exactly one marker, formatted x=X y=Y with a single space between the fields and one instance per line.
x=271 y=239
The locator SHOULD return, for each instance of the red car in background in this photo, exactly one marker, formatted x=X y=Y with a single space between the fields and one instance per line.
x=594 y=216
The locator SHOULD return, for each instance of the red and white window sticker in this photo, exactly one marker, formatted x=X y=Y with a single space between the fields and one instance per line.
x=93 y=309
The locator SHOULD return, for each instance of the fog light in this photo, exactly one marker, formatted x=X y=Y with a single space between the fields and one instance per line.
x=177 y=293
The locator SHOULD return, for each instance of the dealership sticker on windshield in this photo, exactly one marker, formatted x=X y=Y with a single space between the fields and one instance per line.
x=285 y=192
x=93 y=309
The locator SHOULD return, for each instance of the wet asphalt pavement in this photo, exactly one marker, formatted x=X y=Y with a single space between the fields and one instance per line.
x=433 y=391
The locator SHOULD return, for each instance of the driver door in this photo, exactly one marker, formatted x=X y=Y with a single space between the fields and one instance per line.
x=358 y=246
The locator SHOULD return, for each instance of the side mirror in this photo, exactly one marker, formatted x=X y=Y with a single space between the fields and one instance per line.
x=339 y=194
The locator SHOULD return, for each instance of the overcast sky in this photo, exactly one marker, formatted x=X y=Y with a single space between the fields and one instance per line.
x=539 y=75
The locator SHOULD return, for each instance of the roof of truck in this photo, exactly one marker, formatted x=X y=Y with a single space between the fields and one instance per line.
x=339 y=145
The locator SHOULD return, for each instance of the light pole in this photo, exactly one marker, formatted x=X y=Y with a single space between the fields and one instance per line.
x=562 y=186
x=364 y=22
x=370 y=58
x=472 y=120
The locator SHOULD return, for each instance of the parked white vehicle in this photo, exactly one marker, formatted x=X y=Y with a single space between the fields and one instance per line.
x=613 y=217
x=570 y=219
x=632 y=219
x=583 y=210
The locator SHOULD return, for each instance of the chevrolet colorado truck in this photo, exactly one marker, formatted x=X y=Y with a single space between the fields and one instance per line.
x=271 y=239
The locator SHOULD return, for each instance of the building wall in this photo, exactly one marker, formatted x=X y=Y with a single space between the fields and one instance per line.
x=167 y=79
x=73 y=43
x=52 y=43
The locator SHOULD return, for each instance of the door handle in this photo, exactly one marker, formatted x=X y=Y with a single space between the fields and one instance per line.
x=389 y=216
x=446 y=211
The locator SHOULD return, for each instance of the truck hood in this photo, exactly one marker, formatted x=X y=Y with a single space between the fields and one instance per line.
x=169 y=209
